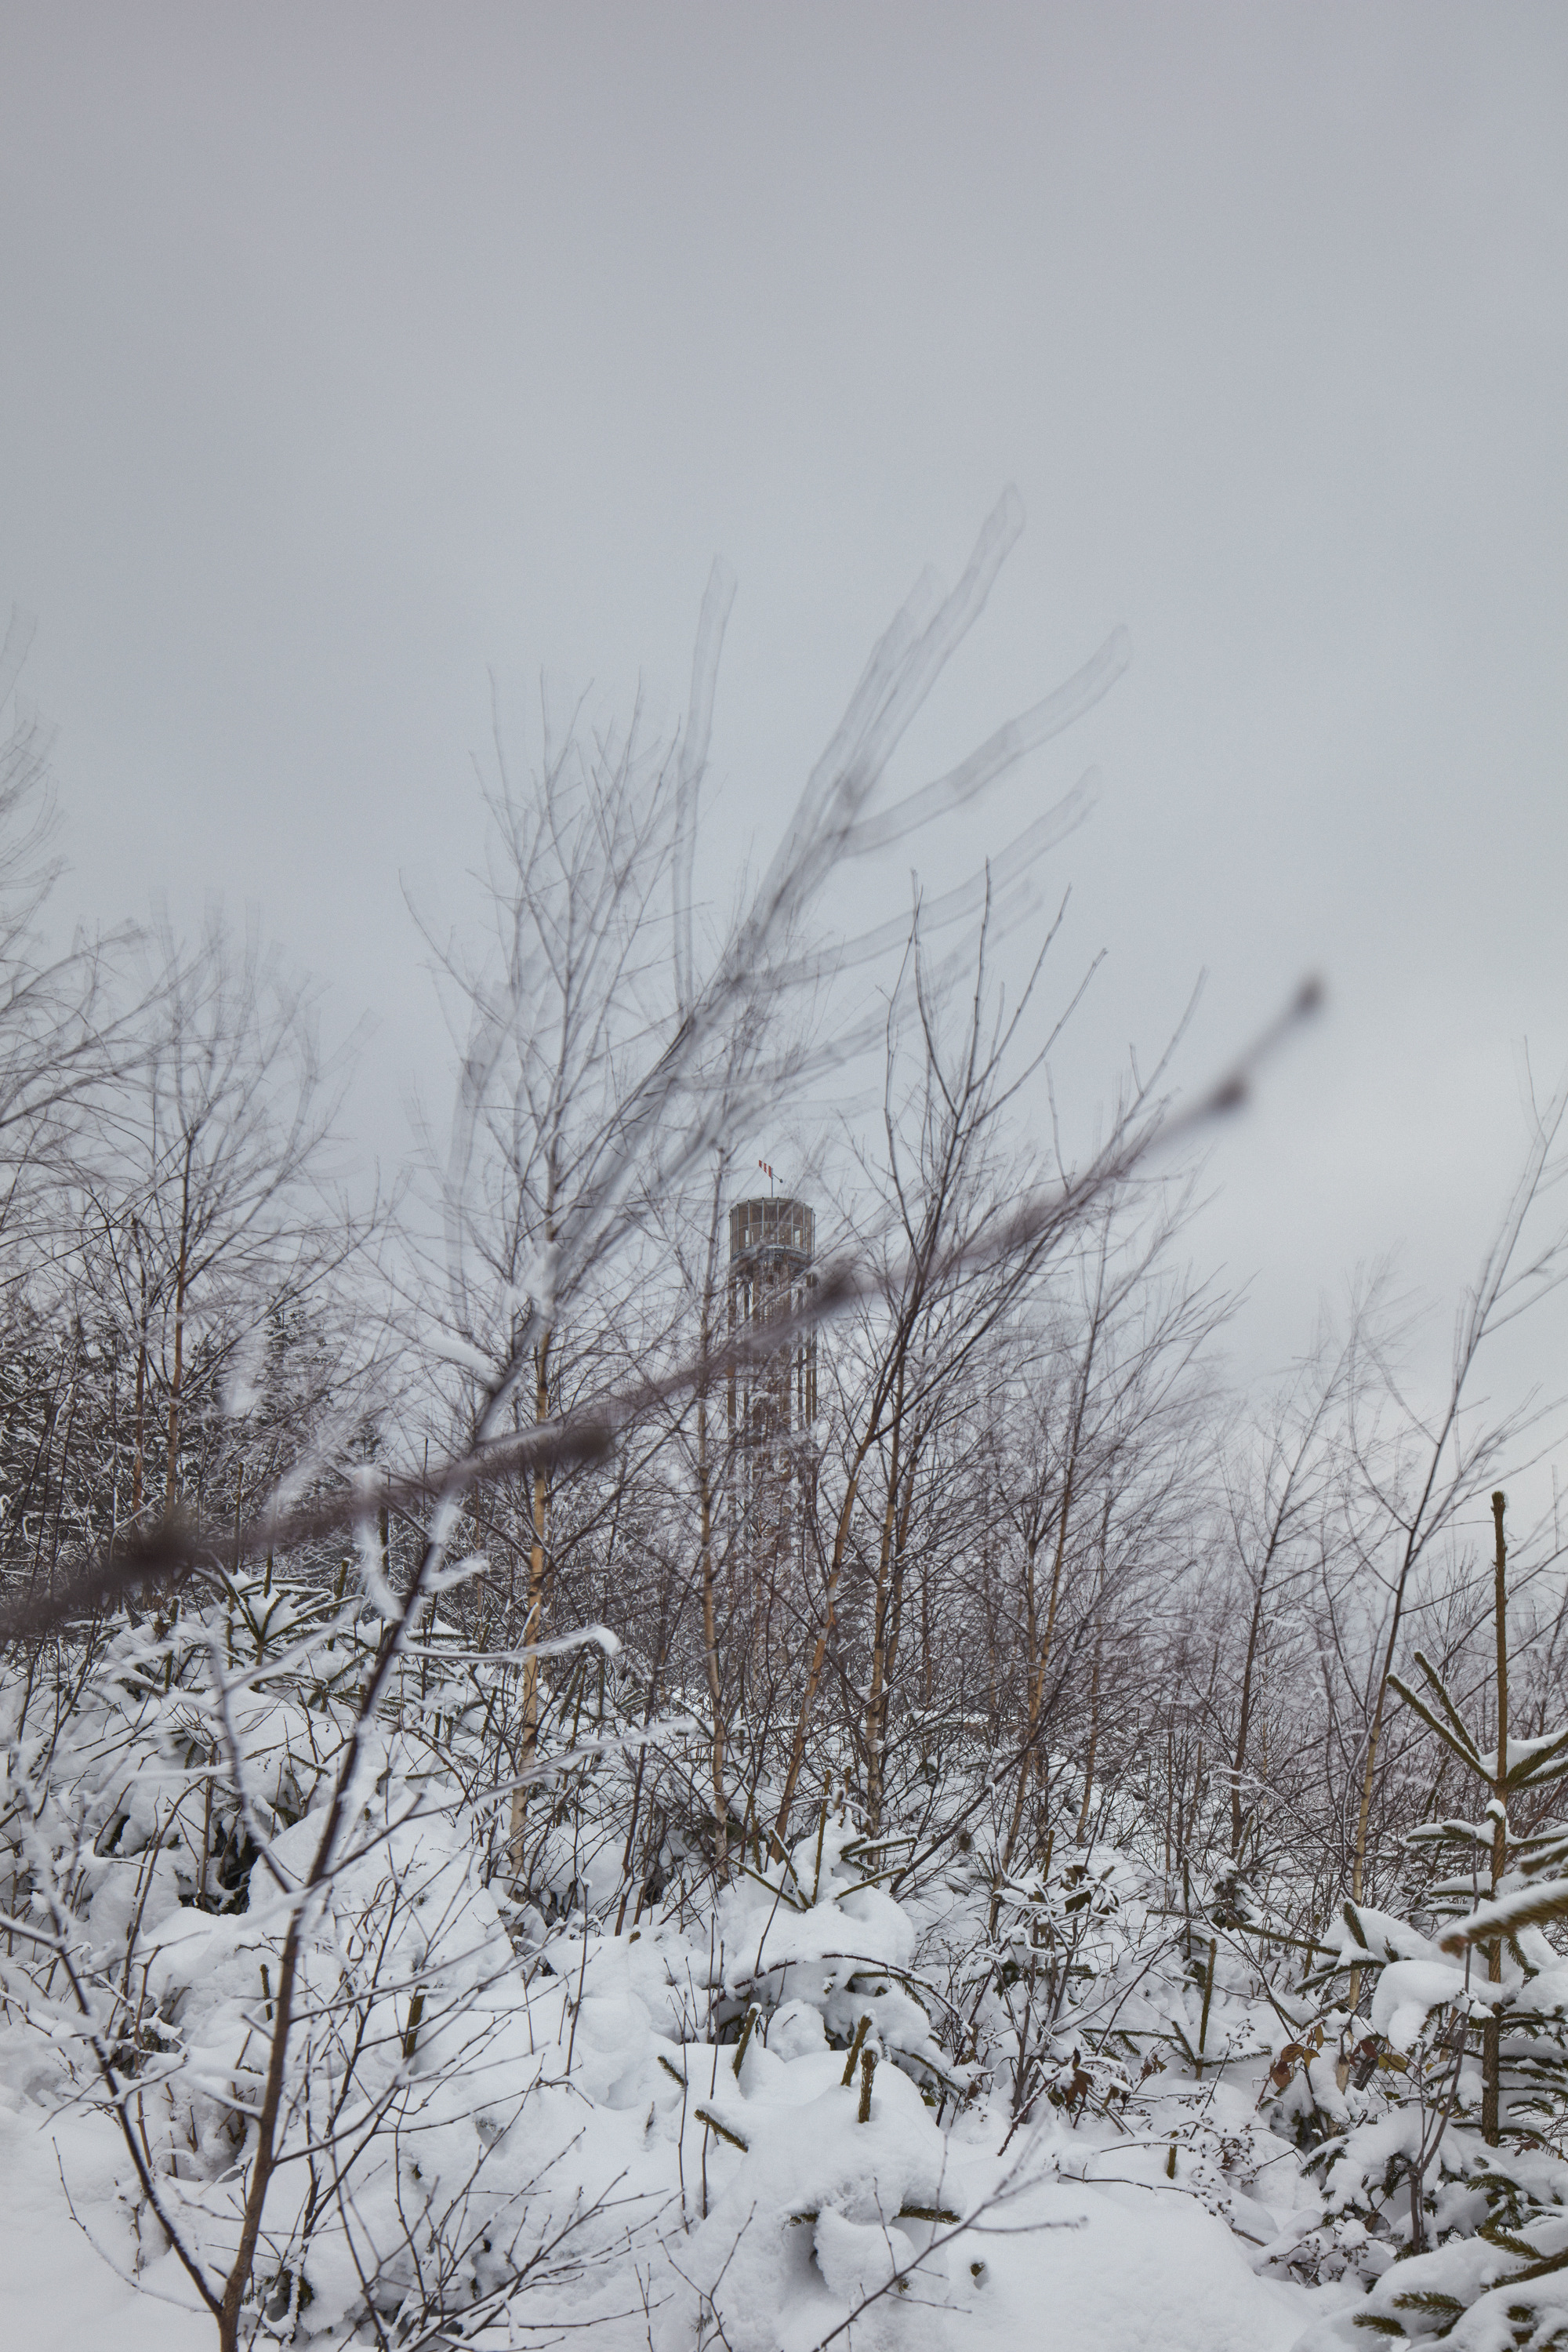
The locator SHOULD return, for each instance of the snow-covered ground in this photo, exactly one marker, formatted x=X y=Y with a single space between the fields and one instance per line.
x=57 y=2294
x=1135 y=2270
x=1147 y=2270
x=786 y=2112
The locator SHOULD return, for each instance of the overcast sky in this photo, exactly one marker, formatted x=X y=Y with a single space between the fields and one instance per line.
x=352 y=353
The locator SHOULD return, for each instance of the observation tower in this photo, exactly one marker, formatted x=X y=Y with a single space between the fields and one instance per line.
x=773 y=1392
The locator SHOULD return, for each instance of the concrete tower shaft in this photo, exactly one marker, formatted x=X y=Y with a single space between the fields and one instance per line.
x=772 y=1397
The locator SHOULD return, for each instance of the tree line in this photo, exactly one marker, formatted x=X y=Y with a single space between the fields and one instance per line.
x=1040 y=1581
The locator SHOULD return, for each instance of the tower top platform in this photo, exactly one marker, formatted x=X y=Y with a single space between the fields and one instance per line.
x=785 y=1225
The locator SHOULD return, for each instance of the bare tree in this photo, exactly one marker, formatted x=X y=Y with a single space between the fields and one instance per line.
x=68 y=1024
x=614 y=1055
x=207 y=1214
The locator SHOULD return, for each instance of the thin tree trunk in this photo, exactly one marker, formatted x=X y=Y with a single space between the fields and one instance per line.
x=1244 y=1722
x=1093 y=1741
x=171 y=1479
x=819 y=1655
x=875 y=1696
x=1041 y=1653
x=710 y=1631
x=1491 y=2032
x=265 y=2157
x=1363 y=1811
x=138 y=1450
x=896 y=1591
x=533 y=1622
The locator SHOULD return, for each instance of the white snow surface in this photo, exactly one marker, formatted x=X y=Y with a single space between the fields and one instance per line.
x=1406 y=1995
x=578 y=2094
x=1149 y=2271
x=1139 y=2269
x=57 y=2294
